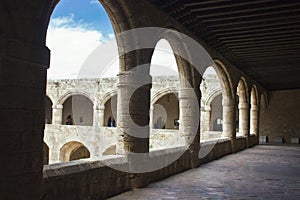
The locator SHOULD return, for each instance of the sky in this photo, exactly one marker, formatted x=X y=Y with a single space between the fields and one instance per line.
x=80 y=36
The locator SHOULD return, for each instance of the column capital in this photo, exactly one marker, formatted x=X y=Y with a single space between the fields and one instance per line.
x=243 y=106
x=228 y=102
x=187 y=93
x=254 y=107
x=206 y=108
x=97 y=107
x=134 y=78
x=58 y=107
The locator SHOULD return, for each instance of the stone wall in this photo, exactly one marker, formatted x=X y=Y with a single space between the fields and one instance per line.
x=97 y=94
x=83 y=180
x=281 y=118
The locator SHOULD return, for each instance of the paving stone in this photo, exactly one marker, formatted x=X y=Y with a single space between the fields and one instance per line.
x=262 y=172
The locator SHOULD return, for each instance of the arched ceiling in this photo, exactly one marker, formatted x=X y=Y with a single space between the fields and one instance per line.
x=260 y=37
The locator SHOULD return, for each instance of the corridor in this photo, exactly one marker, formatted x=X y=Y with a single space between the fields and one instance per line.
x=261 y=172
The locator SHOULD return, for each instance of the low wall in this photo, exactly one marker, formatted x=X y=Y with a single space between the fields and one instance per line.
x=253 y=140
x=239 y=144
x=88 y=180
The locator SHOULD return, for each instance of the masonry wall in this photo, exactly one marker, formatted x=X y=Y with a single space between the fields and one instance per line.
x=282 y=118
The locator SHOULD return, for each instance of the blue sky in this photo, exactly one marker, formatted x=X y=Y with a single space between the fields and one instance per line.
x=90 y=11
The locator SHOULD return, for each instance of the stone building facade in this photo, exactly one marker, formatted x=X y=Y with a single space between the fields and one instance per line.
x=93 y=102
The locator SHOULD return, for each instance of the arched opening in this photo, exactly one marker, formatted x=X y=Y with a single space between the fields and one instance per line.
x=216 y=114
x=163 y=61
x=166 y=112
x=110 y=112
x=242 y=116
x=211 y=106
x=73 y=151
x=48 y=110
x=45 y=154
x=254 y=112
x=110 y=150
x=75 y=30
x=80 y=109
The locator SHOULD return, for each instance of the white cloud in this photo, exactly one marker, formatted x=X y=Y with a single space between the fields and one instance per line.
x=94 y=1
x=70 y=43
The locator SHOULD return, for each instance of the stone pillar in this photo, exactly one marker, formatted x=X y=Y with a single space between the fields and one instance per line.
x=205 y=120
x=229 y=126
x=244 y=119
x=151 y=123
x=189 y=122
x=23 y=74
x=57 y=111
x=254 y=120
x=98 y=120
x=133 y=112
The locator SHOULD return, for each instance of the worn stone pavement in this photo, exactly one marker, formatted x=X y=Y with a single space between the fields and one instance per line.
x=261 y=172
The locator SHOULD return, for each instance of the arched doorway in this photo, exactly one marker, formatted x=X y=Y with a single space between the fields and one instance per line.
x=166 y=112
x=80 y=108
x=110 y=112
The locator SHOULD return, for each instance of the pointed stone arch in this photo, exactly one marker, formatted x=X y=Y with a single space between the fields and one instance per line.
x=73 y=150
x=242 y=114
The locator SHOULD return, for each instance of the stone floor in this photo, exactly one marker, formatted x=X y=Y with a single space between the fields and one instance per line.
x=262 y=172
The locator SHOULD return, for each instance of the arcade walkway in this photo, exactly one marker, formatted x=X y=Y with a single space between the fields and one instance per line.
x=262 y=172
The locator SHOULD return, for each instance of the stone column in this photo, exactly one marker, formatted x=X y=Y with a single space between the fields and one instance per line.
x=98 y=116
x=23 y=73
x=229 y=126
x=205 y=120
x=254 y=120
x=57 y=111
x=189 y=122
x=244 y=119
x=151 y=123
x=133 y=112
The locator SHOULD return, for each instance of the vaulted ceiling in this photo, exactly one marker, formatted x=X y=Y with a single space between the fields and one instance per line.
x=260 y=37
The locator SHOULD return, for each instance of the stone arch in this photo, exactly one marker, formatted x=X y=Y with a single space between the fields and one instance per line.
x=68 y=94
x=48 y=110
x=225 y=80
x=165 y=110
x=213 y=94
x=106 y=97
x=211 y=105
x=242 y=108
x=80 y=107
x=264 y=102
x=182 y=57
x=45 y=154
x=73 y=151
x=110 y=111
x=162 y=93
x=254 y=111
